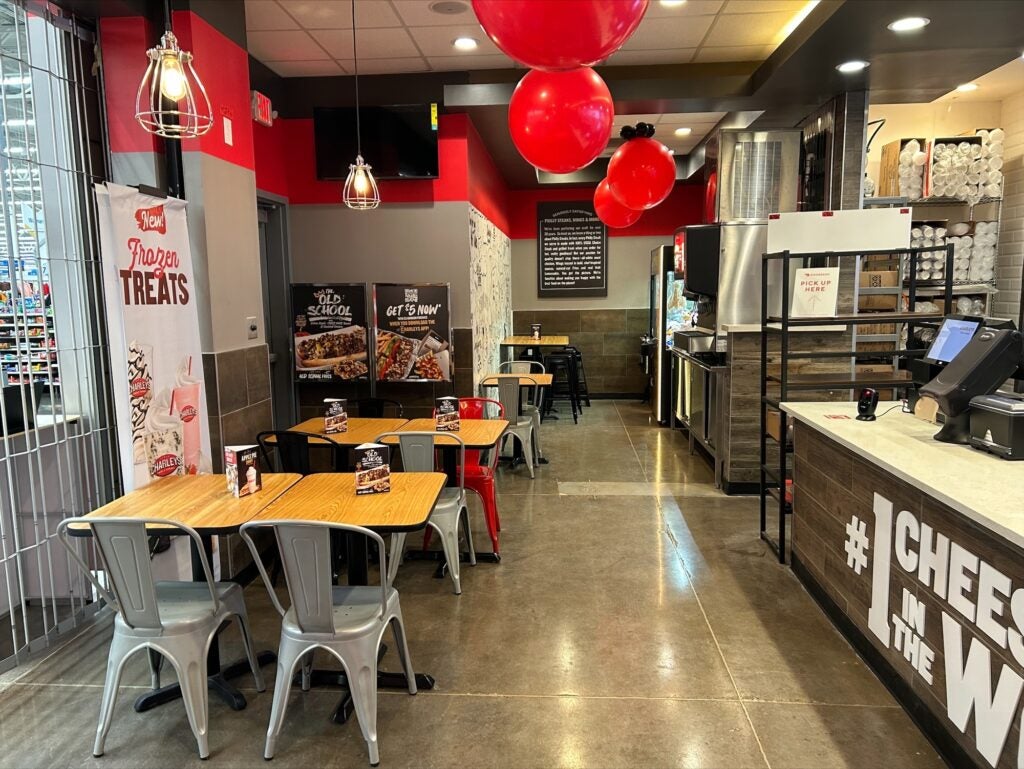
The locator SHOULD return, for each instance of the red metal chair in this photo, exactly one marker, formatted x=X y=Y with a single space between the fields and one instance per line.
x=480 y=477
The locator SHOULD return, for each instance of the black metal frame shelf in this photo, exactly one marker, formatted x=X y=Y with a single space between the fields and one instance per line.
x=777 y=327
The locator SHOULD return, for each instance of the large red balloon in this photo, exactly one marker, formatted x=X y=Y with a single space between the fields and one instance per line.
x=559 y=34
x=561 y=121
x=609 y=210
x=641 y=173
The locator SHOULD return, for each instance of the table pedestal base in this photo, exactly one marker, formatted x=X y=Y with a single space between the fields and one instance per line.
x=218 y=682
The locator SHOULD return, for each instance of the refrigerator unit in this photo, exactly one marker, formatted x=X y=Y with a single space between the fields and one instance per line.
x=671 y=311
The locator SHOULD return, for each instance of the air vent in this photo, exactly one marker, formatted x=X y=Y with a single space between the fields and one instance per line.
x=755 y=182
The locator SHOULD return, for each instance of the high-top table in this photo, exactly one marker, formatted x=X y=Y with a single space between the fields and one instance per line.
x=525 y=380
x=509 y=343
x=332 y=498
x=203 y=503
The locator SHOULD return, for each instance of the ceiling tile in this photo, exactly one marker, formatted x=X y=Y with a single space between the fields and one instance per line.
x=456 y=63
x=791 y=7
x=734 y=53
x=748 y=29
x=386 y=66
x=437 y=41
x=267 y=14
x=669 y=32
x=337 y=14
x=656 y=10
x=673 y=56
x=380 y=43
x=284 y=46
x=305 y=68
x=417 y=13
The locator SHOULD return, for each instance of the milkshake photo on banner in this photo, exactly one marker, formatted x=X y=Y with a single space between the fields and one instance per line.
x=155 y=348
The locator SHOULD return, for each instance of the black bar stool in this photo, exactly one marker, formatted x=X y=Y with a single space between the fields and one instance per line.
x=582 y=393
x=564 y=382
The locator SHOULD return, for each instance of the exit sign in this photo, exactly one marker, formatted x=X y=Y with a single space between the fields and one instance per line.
x=262 y=111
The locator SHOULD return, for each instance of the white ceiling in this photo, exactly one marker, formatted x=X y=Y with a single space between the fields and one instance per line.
x=313 y=37
x=994 y=86
x=699 y=123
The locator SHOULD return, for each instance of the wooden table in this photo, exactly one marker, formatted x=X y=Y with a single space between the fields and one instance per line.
x=475 y=433
x=509 y=343
x=203 y=503
x=360 y=430
x=332 y=498
x=525 y=380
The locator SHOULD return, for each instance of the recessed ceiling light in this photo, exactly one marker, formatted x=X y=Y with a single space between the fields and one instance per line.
x=909 y=24
x=673 y=3
x=464 y=44
x=852 y=66
x=683 y=131
x=965 y=87
x=449 y=7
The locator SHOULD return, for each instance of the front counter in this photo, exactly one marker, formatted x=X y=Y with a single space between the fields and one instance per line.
x=915 y=549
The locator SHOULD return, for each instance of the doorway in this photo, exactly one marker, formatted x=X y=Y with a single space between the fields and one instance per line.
x=272 y=217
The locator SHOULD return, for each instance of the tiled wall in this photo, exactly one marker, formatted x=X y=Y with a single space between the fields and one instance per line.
x=1011 y=228
x=417 y=399
x=608 y=339
x=238 y=394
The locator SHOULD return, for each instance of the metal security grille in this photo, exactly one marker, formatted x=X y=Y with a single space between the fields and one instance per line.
x=756 y=172
x=57 y=449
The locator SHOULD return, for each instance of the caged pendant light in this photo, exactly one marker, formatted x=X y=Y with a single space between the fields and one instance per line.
x=172 y=100
x=360 y=192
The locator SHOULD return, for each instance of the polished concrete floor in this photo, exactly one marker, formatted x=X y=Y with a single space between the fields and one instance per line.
x=635 y=620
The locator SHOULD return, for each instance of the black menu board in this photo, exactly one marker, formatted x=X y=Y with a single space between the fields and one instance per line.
x=330 y=333
x=572 y=250
x=412 y=330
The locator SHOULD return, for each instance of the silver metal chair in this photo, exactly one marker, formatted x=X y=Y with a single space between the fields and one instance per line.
x=349 y=621
x=520 y=426
x=176 y=619
x=417 y=449
x=535 y=402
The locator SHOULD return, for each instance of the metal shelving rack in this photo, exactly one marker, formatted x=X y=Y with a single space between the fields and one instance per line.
x=773 y=478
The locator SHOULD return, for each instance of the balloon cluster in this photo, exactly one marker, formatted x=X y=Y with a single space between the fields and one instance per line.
x=561 y=112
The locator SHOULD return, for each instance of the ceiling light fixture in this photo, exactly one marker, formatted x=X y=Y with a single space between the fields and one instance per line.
x=360 y=191
x=673 y=3
x=848 y=67
x=683 y=131
x=910 y=24
x=465 y=44
x=967 y=87
x=172 y=101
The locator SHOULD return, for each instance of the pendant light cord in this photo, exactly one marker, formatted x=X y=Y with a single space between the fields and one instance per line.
x=167 y=15
x=355 y=58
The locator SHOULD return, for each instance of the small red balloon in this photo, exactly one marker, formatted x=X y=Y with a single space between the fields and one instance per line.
x=610 y=211
x=641 y=173
x=561 y=121
x=559 y=34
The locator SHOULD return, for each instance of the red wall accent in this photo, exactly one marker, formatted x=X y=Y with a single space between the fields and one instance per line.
x=683 y=206
x=270 y=146
x=487 y=190
x=224 y=69
x=123 y=41
x=451 y=184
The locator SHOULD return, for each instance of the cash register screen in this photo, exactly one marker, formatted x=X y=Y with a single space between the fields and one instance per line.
x=953 y=336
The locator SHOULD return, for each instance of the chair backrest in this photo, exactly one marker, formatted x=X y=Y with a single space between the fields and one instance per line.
x=521 y=367
x=293 y=451
x=305 y=551
x=417 y=448
x=477 y=408
x=377 y=408
x=123 y=548
x=508 y=395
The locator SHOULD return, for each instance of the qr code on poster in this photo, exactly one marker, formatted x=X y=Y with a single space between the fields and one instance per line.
x=412 y=295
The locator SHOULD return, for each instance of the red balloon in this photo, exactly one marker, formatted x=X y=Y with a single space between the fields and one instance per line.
x=559 y=34
x=641 y=173
x=561 y=121
x=609 y=210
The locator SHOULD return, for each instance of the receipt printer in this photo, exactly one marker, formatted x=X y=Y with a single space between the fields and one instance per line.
x=997 y=424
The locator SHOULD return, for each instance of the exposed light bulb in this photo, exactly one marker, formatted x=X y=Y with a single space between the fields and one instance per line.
x=360 y=183
x=172 y=79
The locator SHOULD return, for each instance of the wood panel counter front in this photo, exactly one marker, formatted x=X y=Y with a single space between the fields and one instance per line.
x=914 y=549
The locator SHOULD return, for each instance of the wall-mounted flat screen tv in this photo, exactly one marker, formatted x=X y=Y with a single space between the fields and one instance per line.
x=399 y=142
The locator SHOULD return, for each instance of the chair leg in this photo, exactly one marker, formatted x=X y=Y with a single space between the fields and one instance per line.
x=491 y=516
x=288 y=656
x=118 y=654
x=397 y=548
x=402 y=647
x=536 y=434
x=528 y=449
x=449 y=532
x=250 y=650
x=194 y=689
x=464 y=515
x=362 y=686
